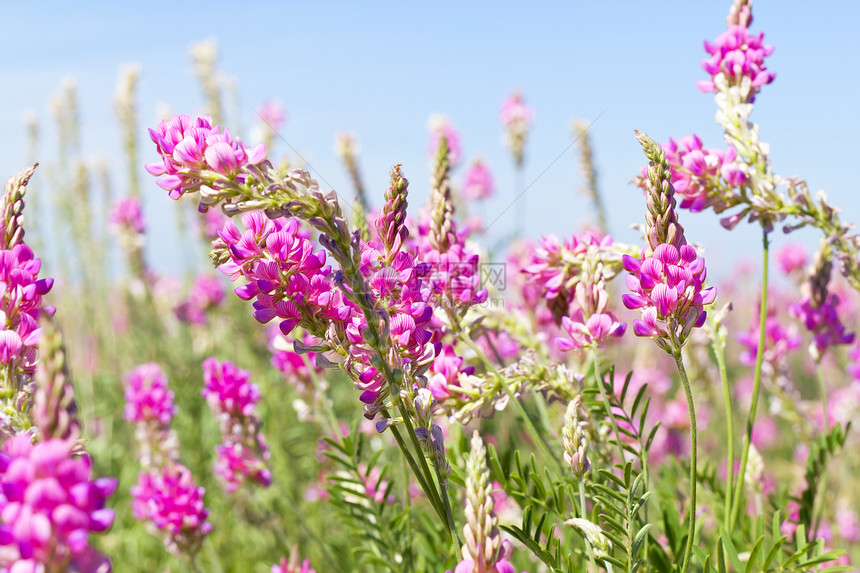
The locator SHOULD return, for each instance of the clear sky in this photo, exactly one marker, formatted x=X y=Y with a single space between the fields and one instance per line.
x=380 y=69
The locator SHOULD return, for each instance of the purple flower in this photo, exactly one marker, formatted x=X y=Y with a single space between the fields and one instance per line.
x=147 y=397
x=172 y=502
x=668 y=288
x=516 y=118
x=823 y=322
x=49 y=507
x=126 y=216
x=583 y=333
x=478 y=182
x=779 y=340
x=237 y=463
x=272 y=114
x=206 y=294
x=737 y=55
x=791 y=258
x=446 y=369
x=227 y=389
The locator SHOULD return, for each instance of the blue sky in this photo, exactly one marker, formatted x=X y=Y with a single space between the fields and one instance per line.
x=380 y=69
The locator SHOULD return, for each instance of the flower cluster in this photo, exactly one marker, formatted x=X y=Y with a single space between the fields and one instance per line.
x=296 y=367
x=736 y=54
x=516 y=118
x=165 y=496
x=668 y=284
x=206 y=294
x=193 y=153
x=126 y=218
x=441 y=127
x=21 y=294
x=292 y=566
x=49 y=507
x=702 y=177
x=242 y=453
x=287 y=279
x=445 y=372
x=171 y=501
x=478 y=182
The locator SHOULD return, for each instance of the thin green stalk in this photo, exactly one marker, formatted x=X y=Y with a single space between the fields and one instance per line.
x=323 y=398
x=822 y=391
x=428 y=490
x=584 y=515
x=719 y=353
x=693 y=454
x=530 y=428
x=598 y=376
x=759 y=358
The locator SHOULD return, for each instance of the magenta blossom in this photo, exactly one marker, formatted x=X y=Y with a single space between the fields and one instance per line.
x=293 y=566
x=127 y=215
x=823 y=322
x=193 y=153
x=668 y=288
x=206 y=294
x=446 y=369
x=588 y=333
x=173 y=503
x=50 y=506
x=701 y=176
x=478 y=182
x=227 y=389
x=147 y=397
x=502 y=564
x=737 y=55
x=272 y=114
x=439 y=126
x=791 y=258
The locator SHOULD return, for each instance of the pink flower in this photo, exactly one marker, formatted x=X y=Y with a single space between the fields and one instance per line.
x=50 y=506
x=737 y=55
x=779 y=340
x=791 y=258
x=439 y=126
x=227 y=389
x=293 y=567
x=445 y=370
x=272 y=114
x=701 y=176
x=147 y=397
x=588 y=333
x=192 y=152
x=516 y=118
x=237 y=463
x=668 y=288
x=823 y=322
x=478 y=182
x=127 y=215
x=502 y=564
x=172 y=502
x=206 y=294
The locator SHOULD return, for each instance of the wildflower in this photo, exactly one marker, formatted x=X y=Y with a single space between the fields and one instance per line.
x=737 y=55
x=441 y=127
x=171 y=501
x=516 y=118
x=483 y=548
x=126 y=217
x=791 y=258
x=149 y=405
x=206 y=294
x=292 y=566
x=575 y=442
x=446 y=369
x=478 y=182
x=49 y=507
x=243 y=453
x=667 y=285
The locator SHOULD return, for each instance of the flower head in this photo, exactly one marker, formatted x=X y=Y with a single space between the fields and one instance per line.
x=736 y=54
x=516 y=118
x=478 y=182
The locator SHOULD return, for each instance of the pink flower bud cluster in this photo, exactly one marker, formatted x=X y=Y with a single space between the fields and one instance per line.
x=737 y=55
x=193 y=152
x=272 y=113
x=243 y=452
x=668 y=288
x=21 y=294
x=478 y=182
x=288 y=280
x=49 y=507
x=823 y=322
x=516 y=118
x=293 y=365
x=126 y=216
x=502 y=564
x=206 y=294
x=702 y=176
x=172 y=502
x=440 y=125
x=147 y=398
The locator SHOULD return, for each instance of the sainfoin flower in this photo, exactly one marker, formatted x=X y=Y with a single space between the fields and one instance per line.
x=206 y=293
x=823 y=322
x=737 y=54
x=478 y=182
x=127 y=216
x=194 y=152
x=292 y=566
x=589 y=332
x=172 y=502
x=243 y=453
x=147 y=397
x=516 y=118
x=439 y=126
x=702 y=176
x=49 y=507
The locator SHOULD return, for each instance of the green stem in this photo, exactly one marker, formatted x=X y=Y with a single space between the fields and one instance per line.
x=822 y=391
x=598 y=376
x=323 y=398
x=530 y=428
x=584 y=515
x=736 y=502
x=719 y=352
x=693 y=454
x=429 y=491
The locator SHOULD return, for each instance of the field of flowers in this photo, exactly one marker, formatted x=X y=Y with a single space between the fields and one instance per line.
x=357 y=384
